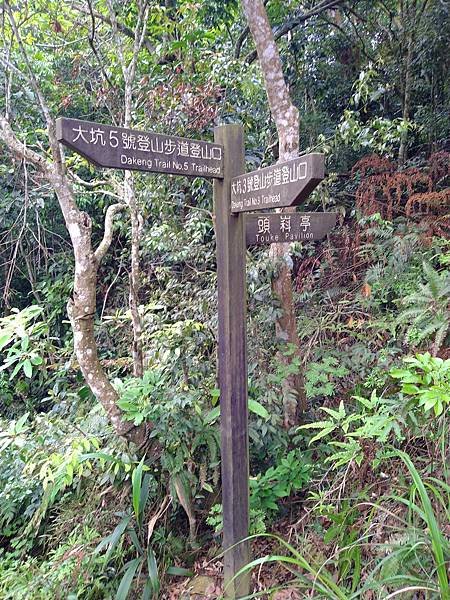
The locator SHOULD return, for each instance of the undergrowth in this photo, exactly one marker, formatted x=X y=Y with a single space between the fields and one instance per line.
x=363 y=484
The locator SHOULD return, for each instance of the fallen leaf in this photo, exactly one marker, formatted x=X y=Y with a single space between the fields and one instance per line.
x=366 y=290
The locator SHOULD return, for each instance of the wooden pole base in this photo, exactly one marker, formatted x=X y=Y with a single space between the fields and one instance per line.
x=231 y=255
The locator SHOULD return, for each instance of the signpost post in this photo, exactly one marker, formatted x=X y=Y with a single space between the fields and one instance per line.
x=232 y=355
x=283 y=184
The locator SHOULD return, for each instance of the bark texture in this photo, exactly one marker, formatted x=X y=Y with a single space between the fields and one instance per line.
x=288 y=26
x=135 y=275
x=284 y=113
x=286 y=118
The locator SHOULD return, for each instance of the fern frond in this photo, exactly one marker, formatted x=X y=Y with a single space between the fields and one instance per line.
x=410 y=330
x=440 y=336
x=410 y=313
x=428 y=330
x=444 y=292
x=422 y=296
x=375 y=273
x=433 y=279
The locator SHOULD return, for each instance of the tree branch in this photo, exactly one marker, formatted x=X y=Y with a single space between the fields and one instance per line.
x=34 y=85
x=87 y=184
x=21 y=151
x=7 y=65
x=139 y=40
x=91 y=40
x=57 y=157
x=353 y=26
x=108 y=231
x=295 y=22
x=120 y=26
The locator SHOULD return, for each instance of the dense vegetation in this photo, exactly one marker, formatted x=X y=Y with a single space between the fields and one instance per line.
x=354 y=501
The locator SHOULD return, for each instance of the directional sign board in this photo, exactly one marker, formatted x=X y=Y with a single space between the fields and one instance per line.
x=119 y=148
x=271 y=228
x=283 y=184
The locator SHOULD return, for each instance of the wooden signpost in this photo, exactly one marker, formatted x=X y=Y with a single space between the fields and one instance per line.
x=232 y=355
x=284 y=184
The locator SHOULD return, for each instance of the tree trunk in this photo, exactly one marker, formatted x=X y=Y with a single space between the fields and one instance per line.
x=129 y=72
x=411 y=13
x=135 y=276
x=286 y=118
x=81 y=308
x=403 y=152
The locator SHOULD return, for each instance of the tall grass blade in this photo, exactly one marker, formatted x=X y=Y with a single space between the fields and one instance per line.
x=143 y=497
x=113 y=539
x=127 y=579
x=153 y=571
x=437 y=539
x=136 y=480
x=323 y=582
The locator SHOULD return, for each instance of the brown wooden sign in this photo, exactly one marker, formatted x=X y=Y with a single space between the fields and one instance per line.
x=130 y=149
x=283 y=184
x=271 y=228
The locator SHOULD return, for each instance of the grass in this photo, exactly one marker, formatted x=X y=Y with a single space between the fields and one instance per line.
x=425 y=545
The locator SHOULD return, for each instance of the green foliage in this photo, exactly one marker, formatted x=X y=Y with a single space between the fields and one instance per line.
x=376 y=419
x=257 y=520
x=182 y=424
x=324 y=584
x=20 y=495
x=320 y=377
x=14 y=433
x=385 y=419
x=71 y=571
x=392 y=251
x=253 y=407
x=42 y=462
x=267 y=489
x=344 y=532
x=23 y=343
x=57 y=449
x=379 y=134
x=138 y=396
x=132 y=526
x=427 y=379
x=288 y=476
x=439 y=544
x=414 y=558
x=427 y=313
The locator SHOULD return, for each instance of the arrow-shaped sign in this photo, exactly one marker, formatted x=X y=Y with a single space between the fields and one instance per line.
x=130 y=149
x=275 y=228
x=283 y=184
